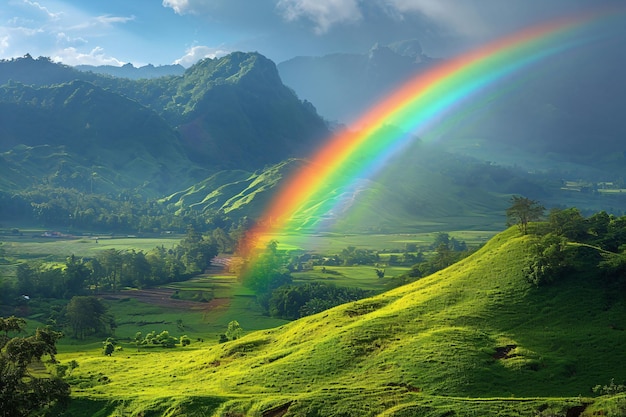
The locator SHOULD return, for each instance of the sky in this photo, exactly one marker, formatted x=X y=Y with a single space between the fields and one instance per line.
x=161 y=32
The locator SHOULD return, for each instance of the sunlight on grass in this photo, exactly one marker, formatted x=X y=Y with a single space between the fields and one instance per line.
x=463 y=337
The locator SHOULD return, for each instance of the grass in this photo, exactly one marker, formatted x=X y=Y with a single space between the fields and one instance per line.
x=474 y=339
x=332 y=243
x=49 y=249
x=360 y=276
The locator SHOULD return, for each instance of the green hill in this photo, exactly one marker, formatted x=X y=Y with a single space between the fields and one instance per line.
x=77 y=128
x=474 y=339
x=234 y=193
x=423 y=189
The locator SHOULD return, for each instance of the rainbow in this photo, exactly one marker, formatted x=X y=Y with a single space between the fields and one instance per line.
x=411 y=110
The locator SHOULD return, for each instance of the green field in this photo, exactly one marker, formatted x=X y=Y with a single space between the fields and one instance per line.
x=475 y=339
x=330 y=243
x=30 y=247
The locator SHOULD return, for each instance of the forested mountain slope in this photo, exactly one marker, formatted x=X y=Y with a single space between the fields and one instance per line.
x=164 y=133
x=64 y=133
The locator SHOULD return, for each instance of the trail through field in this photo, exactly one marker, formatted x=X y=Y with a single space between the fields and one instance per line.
x=162 y=297
x=165 y=297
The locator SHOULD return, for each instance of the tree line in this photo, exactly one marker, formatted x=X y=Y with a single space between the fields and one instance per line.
x=62 y=203
x=112 y=269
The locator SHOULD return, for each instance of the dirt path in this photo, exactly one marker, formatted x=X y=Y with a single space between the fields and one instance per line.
x=162 y=297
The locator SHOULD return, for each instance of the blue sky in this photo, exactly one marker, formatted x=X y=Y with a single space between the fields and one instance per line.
x=116 y=32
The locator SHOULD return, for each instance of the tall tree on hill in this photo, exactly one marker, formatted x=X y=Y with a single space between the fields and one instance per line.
x=522 y=211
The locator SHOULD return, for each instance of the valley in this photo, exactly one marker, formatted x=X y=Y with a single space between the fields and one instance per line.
x=461 y=339
x=203 y=242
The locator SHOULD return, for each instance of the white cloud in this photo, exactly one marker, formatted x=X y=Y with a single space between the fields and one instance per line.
x=64 y=39
x=104 y=21
x=196 y=53
x=43 y=9
x=323 y=13
x=179 y=6
x=71 y=56
x=460 y=16
x=4 y=44
x=107 y=20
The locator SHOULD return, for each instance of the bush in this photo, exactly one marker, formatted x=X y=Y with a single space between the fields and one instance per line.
x=611 y=389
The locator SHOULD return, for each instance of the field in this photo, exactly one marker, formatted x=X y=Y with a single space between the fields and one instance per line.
x=330 y=243
x=202 y=307
x=476 y=339
x=419 y=350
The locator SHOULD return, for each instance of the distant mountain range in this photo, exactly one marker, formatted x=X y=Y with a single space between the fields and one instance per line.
x=342 y=86
x=565 y=111
x=132 y=72
x=222 y=136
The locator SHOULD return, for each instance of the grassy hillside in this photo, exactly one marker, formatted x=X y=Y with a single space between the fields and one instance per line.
x=473 y=339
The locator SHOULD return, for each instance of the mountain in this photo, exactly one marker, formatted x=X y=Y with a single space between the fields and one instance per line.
x=132 y=72
x=232 y=112
x=38 y=72
x=160 y=135
x=343 y=86
x=235 y=112
x=564 y=111
x=220 y=137
x=78 y=129
x=474 y=339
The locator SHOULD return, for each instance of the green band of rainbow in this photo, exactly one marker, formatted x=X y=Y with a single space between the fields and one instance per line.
x=414 y=108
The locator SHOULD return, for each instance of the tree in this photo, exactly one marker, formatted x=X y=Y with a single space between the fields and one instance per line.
x=111 y=262
x=22 y=393
x=223 y=240
x=268 y=271
x=234 y=330
x=108 y=347
x=568 y=223
x=550 y=260
x=185 y=340
x=87 y=315
x=75 y=274
x=10 y=325
x=165 y=340
x=196 y=252
x=138 y=340
x=522 y=211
